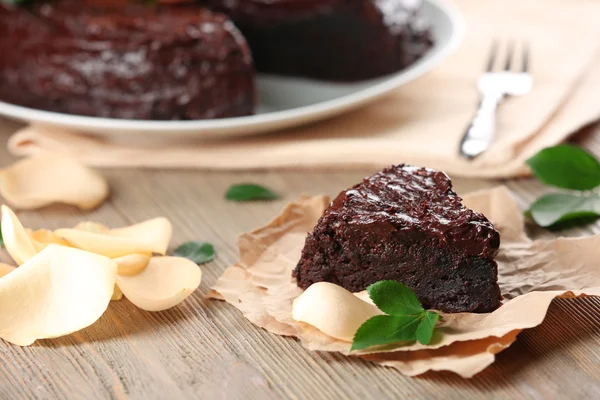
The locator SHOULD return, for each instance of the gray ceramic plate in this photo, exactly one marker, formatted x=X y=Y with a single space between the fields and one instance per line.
x=284 y=102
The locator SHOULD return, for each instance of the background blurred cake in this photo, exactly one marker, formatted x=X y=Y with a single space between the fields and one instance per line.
x=188 y=60
x=125 y=61
x=336 y=40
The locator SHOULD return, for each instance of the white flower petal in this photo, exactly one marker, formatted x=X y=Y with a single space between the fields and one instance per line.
x=43 y=237
x=165 y=282
x=148 y=237
x=156 y=232
x=90 y=226
x=59 y=291
x=16 y=240
x=49 y=178
x=132 y=264
x=117 y=294
x=333 y=310
x=6 y=269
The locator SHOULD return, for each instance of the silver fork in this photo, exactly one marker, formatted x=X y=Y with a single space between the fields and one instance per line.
x=494 y=87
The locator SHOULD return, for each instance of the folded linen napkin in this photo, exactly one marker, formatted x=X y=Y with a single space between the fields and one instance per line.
x=422 y=122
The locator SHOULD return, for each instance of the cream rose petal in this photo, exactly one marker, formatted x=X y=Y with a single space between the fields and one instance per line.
x=90 y=226
x=59 y=291
x=6 y=269
x=117 y=294
x=132 y=264
x=43 y=237
x=165 y=282
x=16 y=240
x=333 y=310
x=49 y=178
x=157 y=232
x=148 y=237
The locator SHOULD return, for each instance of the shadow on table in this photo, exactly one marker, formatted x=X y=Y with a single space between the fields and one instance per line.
x=552 y=358
x=123 y=321
x=558 y=348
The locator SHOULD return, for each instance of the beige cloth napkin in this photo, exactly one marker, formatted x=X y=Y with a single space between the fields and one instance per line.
x=422 y=122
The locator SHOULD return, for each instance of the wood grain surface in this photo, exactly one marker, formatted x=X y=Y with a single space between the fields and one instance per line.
x=205 y=349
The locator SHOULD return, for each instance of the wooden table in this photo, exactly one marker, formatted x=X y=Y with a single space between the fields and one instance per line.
x=205 y=349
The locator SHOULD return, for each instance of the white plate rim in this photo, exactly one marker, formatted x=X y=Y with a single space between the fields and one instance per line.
x=252 y=124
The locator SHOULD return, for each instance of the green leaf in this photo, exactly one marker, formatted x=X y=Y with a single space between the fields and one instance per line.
x=249 y=192
x=408 y=321
x=386 y=329
x=1 y=239
x=552 y=209
x=394 y=298
x=426 y=327
x=566 y=166
x=198 y=252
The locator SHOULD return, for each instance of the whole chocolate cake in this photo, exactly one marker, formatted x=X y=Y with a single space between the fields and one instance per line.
x=336 y=40
x=121 y=59
x=406 y=224
x=174 y=59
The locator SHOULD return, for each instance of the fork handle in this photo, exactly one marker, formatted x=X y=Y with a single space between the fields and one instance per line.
x=480 y=133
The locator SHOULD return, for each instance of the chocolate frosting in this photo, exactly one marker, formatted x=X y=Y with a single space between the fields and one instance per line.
x=122 y=59
x=415 y=201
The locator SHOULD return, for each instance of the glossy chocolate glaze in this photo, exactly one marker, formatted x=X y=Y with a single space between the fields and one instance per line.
x=118 y=59
x=416 y=201
x=406 y=224
x=337 y=40
x=125 y=59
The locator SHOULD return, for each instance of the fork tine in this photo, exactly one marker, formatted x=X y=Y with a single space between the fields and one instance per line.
x=525 y=61
x=509 y=55
x=492 y=57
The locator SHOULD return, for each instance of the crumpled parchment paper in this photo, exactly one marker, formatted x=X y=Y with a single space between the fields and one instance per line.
x=531 y=275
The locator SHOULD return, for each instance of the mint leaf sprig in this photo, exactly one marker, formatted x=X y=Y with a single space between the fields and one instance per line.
x=566 y=167
x=249 y=192
x=198 y=252
x=406 y=321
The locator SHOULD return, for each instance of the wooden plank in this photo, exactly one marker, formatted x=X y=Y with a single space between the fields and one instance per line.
x=205 y=349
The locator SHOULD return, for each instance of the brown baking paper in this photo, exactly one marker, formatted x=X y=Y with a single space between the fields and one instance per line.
x=531 y=275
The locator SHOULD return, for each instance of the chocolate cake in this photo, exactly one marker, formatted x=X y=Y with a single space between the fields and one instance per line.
x=335 y=40
x=406 y=224
x=120 y=59
x=174 y=59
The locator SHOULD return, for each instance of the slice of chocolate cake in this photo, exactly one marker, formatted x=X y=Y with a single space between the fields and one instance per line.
x=406 y=224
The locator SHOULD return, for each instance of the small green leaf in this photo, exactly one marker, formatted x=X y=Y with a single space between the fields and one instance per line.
x=408 y=321
x=558 y=208
x=249 y=192
x=566 y=166
x=198 y=252
x=386 y=329
x=394 y=298
x=1 y=239
x=426 y=327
